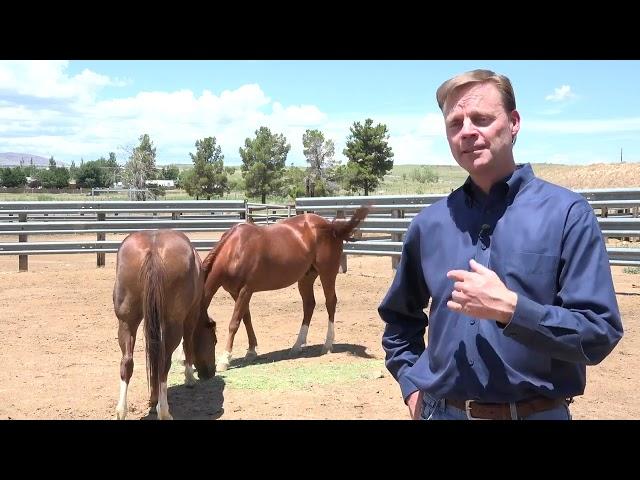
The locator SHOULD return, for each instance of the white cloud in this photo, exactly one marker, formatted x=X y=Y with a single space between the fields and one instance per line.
x=45 y=111
x=47 y=79
x=560 y=94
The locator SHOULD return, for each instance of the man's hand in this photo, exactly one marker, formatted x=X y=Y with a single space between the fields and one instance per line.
x=414 y=402
x=481 y=294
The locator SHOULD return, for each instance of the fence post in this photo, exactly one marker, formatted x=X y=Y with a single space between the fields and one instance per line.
x=343 y=257
x=101 y=236
x=175 y=215
x=23 y=260
x=396 y=237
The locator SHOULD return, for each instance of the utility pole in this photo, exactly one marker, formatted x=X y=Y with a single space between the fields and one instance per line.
x=620 y=155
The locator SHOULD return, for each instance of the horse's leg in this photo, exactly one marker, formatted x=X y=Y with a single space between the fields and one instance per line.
x=305 y=287
x=328 y=280
x=240 y=309
x=251 y=334
x=127 y=329
x=187 y=350
x=172 y=334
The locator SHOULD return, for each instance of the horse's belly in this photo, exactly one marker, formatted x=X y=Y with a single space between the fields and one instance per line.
x=280 y=276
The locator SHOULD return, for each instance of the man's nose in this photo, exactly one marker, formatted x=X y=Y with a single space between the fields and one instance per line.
x=468 y=128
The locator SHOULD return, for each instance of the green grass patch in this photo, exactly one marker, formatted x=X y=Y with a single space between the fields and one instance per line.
x=290 y=374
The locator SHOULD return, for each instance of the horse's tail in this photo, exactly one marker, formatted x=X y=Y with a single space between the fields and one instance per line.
x=343 y=229
x=152 y=276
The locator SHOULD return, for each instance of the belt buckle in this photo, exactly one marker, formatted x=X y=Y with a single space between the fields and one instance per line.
x=467 y=409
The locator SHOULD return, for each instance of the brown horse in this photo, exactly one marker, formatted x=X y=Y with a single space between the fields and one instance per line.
x=250 y=258
x=159 y=277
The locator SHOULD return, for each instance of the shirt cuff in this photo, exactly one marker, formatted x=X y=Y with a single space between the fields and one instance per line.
x=407 y=387
x=526 y=318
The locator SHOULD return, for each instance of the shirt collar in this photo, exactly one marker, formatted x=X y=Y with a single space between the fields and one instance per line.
x=508 y=187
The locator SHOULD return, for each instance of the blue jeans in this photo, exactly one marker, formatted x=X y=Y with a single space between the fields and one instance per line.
x=433 y=409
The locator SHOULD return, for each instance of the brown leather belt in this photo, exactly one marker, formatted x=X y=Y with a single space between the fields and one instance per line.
x=502 y=411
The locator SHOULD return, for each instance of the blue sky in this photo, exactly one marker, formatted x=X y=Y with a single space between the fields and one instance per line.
x=573 y=112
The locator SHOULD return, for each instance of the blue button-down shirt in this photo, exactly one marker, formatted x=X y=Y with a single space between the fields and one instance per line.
x=543 y=241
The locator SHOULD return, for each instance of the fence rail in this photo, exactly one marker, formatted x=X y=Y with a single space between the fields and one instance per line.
x=617 y=211
x=391 y=216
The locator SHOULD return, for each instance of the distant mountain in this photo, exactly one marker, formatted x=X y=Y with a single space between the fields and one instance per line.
x=10 y=159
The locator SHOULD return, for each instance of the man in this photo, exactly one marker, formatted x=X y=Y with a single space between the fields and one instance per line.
x=522 y=298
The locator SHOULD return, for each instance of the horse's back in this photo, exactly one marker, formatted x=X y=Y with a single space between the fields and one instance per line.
x=175 y=260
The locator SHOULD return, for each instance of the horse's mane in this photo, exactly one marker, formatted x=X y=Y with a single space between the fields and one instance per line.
x=207 y=264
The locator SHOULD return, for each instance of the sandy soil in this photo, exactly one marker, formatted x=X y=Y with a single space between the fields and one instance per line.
x=60 y=355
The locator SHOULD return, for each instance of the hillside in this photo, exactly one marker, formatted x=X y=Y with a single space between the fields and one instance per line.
x=602 y=175
x=11 y=159
x=599 y=175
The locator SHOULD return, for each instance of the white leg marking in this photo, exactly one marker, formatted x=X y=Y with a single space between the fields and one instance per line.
x=223 y=361
x=189 y=379
x=163 y=405
x=302 y=339
x=121 y=409
x=328 y=343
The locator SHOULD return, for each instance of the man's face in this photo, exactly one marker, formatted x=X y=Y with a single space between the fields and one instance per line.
x=479 y=130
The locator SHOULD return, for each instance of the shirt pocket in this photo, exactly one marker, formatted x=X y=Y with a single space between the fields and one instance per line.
x=533 y=263
x=532 y=274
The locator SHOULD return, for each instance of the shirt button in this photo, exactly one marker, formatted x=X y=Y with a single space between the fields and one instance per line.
x=483 y=246
x=472 y=322
x=471 y=363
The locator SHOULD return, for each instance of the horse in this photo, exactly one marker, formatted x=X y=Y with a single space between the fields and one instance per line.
x=250 y=258
x=159 y=277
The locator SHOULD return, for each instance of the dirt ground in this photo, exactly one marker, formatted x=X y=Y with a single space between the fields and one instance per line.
x=60 y=354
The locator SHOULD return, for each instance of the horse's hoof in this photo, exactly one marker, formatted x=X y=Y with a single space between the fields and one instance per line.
x=120 y=414
x=222 y=367
x=251 y=355
x=165 y=416
x=325 y=350
x=295 y=351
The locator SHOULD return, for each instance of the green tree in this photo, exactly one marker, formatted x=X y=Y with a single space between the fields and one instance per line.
x=370 y=156
x=319 y=153
x=90 y=175
x=263 y=162
x=295 y=182
x=141 y=166
x=208 y=177
x=31 y=170
x=424 y=174
x=53 y=177
x=73 y=170
x=170 y=172
x=13 y=177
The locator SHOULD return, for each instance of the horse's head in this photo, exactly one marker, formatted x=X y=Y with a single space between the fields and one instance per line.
x=204 y=343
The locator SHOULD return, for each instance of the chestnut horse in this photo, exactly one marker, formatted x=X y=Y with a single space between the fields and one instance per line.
x=159 y=277
x=250 y=258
